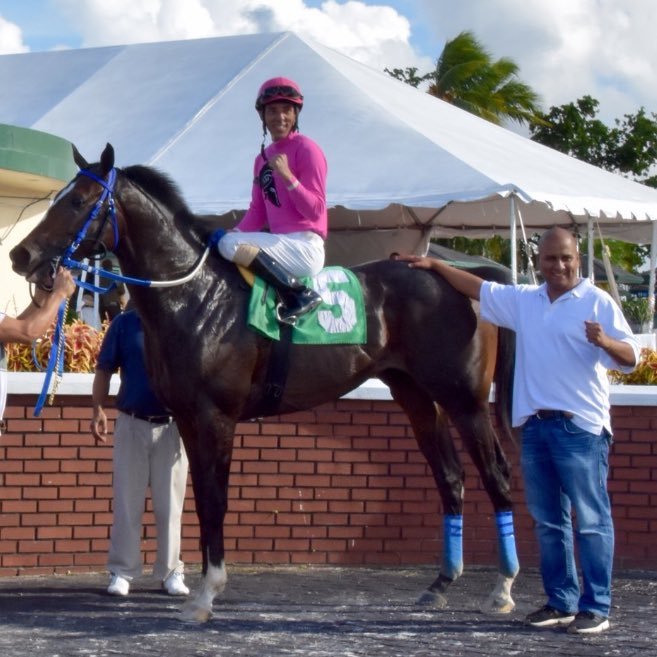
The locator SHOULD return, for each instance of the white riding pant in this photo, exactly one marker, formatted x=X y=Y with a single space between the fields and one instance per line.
x=301 y=254
x=147 y=454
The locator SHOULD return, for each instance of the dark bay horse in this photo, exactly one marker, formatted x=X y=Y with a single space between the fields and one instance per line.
x=424 y=341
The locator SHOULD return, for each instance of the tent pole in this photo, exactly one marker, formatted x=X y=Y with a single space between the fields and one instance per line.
x=590 y=236
x=653 y=263
x=513 y=237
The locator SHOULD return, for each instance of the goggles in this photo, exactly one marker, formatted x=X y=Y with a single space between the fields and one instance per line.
x=280 y=92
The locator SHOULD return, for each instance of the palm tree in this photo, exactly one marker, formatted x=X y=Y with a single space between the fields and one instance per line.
x=466 y=76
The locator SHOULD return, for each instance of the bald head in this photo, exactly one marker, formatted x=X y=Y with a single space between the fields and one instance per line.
x=558 y=261
x=557 y=234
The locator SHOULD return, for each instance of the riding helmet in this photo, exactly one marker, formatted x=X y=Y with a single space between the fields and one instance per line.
x=279 y=89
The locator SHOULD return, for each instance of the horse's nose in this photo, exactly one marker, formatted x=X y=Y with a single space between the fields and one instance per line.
x=21 y=258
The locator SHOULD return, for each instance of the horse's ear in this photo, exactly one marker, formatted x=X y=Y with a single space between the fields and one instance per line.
x=107 y=159
x=78 y=159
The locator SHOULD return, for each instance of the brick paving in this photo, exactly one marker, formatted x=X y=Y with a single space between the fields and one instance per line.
x=310 y=612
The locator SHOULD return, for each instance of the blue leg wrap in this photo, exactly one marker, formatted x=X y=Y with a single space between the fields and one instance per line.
x=452 y=546
x=506 y=540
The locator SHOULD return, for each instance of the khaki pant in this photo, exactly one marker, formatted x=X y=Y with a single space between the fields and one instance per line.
x=146 y=455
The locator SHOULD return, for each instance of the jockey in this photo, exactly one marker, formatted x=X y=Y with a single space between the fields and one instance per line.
x=288 y=198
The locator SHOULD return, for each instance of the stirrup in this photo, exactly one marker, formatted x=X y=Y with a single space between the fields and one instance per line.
x=291 y=320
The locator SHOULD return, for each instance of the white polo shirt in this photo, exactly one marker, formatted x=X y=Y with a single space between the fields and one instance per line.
x=556 y=367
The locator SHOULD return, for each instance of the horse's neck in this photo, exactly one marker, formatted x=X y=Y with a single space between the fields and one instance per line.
x=159 y=248
x=155 y=247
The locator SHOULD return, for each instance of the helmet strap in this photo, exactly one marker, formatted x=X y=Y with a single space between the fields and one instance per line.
x=262 y=145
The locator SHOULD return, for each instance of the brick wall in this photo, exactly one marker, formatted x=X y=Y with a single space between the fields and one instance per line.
x=341 y=484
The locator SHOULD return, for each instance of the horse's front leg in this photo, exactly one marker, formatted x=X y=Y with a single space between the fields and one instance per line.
x=198 y=607
x=209 y=451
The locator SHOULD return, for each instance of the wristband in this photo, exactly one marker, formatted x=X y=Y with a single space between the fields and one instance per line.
x=293 y=185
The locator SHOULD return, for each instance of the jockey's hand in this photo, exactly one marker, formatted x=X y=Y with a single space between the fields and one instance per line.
x=279 y=165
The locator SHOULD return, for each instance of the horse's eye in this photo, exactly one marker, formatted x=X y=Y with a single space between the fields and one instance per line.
x=77 y=202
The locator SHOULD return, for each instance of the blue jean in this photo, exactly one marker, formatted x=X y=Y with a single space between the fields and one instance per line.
x=565 y=468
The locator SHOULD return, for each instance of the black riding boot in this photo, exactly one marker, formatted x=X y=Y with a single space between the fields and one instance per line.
x=296 y=298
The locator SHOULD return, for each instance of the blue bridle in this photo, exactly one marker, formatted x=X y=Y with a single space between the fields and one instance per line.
x=108 y=196
x=56 y=361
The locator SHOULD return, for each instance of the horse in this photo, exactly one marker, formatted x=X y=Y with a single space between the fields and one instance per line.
x=424 y=340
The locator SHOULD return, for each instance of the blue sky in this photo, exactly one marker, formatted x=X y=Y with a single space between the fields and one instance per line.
x=565 y=48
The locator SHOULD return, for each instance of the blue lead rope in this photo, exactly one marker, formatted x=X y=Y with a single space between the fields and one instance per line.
x=56 y=359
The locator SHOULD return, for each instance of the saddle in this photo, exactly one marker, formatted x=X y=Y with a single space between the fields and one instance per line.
x=339 y=319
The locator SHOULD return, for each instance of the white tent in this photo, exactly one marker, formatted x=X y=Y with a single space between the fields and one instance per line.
x=399 y=160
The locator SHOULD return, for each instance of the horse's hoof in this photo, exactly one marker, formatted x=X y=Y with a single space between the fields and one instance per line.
x=432 y=599
x=495 y=605
x=500 y=600
x=195 y=613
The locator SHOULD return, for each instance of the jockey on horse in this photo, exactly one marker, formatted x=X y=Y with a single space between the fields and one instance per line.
x=288 y=197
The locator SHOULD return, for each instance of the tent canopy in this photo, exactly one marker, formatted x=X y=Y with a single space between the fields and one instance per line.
x=399 y=159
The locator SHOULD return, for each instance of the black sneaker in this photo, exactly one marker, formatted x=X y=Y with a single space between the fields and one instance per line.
x=586 y=622
x=549 y=617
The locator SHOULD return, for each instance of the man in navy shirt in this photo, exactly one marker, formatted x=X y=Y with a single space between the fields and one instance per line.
x=147 y=451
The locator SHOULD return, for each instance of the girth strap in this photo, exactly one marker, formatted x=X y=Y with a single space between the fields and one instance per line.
x=277 y=371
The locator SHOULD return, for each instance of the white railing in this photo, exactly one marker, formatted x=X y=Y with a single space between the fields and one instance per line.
x=30 y=383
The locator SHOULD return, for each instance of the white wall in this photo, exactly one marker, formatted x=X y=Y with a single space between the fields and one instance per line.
x=14 y=289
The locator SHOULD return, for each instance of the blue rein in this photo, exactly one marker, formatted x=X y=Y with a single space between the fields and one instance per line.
x=56 y=361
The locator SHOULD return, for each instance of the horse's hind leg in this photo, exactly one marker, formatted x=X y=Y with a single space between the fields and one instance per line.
x=433 y=437
x=479 y=438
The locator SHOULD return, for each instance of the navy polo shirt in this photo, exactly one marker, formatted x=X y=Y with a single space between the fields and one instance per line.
x=123 y=350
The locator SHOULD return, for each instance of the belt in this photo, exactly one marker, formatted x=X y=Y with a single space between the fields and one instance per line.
x=547 y=414
x=153 y=419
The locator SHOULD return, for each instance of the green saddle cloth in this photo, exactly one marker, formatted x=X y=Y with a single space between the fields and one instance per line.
x=339 y=319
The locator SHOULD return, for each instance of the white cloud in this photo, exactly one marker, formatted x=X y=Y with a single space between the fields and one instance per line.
x=375 y=35
x=11 y=38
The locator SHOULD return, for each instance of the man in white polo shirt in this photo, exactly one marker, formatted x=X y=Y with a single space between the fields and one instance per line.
x=568 y=334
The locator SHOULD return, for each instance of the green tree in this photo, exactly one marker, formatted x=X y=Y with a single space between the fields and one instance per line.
x=467 y=76
x=629 y=147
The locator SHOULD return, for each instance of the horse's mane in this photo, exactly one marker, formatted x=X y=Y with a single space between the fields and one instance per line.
x=160 y=186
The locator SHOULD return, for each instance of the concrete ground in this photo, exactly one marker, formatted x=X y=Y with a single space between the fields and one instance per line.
x=310 y=612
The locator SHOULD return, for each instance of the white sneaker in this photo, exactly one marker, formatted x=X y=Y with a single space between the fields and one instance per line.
x=175 y=584
x=118 y=585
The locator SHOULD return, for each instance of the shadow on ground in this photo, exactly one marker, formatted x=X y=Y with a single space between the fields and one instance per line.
x=311 y=612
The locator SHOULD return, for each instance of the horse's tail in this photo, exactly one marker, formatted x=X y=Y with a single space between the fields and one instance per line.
x=505 y=362
x=503 y=377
